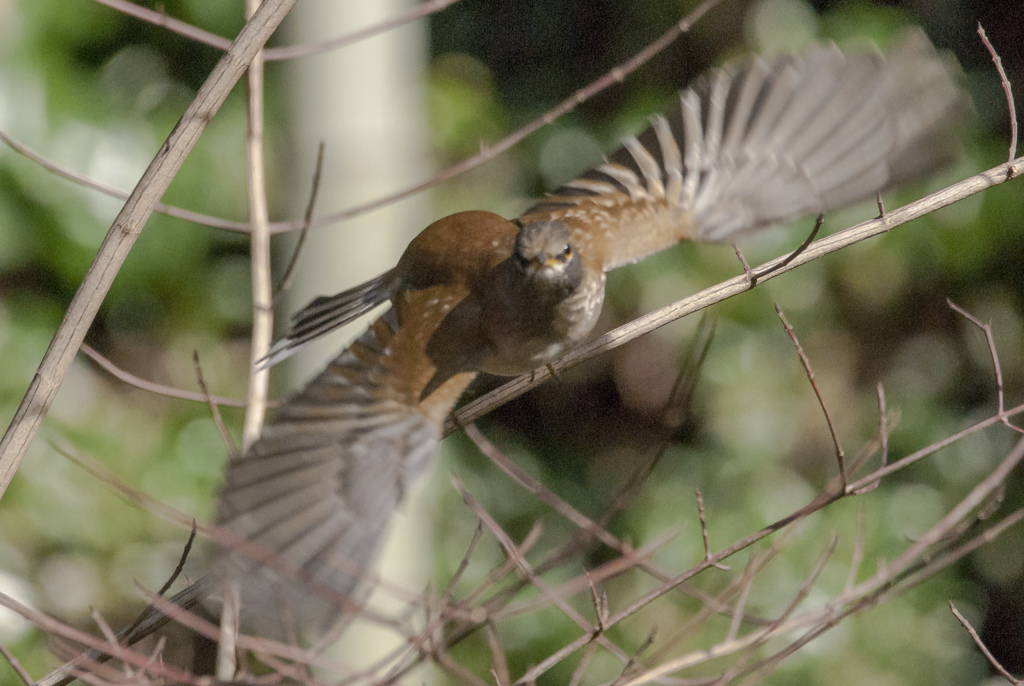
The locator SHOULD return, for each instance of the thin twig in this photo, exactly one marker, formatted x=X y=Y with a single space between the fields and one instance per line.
x=314 y=191
x=416 y=11
x=1006 y=89
x=180 y=567
x=227 y=641
x=859 y=542
x=840 y=456
x=69 y=672
x=883 y=425
x=743 y=262
x=542 y=493
x=883 y=441
x=581 y=668
x=746 y=583
x=124 y=231
x=928 y=450
x=757 y=275
x=127 y=631
x=986 y=329
x=981 y=645
x=217 y=419
x=15 y=665
x=704 y=530
x=280 y=53
x=160 y=18
x=634 y=659
x=106 y=189
x=585 y=524
x=513 y=552
x=499 y=665
x=161 y=389
x=444 y=611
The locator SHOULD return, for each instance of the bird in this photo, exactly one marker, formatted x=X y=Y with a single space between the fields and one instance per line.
x=756 y=143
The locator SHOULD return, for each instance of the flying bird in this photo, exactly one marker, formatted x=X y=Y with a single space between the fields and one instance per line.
x=759 y=142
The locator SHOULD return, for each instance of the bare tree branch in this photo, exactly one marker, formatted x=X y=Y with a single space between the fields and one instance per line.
x=1006 y=89
x=126 y=229
x=199 y=35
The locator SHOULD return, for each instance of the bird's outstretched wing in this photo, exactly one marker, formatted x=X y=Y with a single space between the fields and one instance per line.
x=319 y=487
x=765 y=141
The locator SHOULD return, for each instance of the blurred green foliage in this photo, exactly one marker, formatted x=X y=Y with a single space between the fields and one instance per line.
x=98 y=91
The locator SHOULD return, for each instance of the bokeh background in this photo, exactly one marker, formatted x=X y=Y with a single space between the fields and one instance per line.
x=98 y=91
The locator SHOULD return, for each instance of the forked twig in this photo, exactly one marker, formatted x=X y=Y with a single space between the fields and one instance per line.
x=986 y=329
x=704 y=531
x=1009 y=94
x=759 y=274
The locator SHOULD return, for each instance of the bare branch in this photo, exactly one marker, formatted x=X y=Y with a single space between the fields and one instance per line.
x=922 y=453
x=214 y=410
x=417 y=11
x=126 y=229
x=89 y=182
x=859 y=542
x=314 y=191
x=704 y=531
x=840 y=456
x=159 y=389
x=981 y=645
x=170 y=23
x=1006 y=89
x=986 y=329
x=500 y=460
x=499 y=666
x=761 y=273
x=16 y=666
x=282 y=53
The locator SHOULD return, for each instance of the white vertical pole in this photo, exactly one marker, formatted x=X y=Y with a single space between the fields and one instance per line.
x=365 y=101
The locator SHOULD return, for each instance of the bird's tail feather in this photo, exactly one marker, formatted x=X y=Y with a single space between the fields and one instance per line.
x=327 y=313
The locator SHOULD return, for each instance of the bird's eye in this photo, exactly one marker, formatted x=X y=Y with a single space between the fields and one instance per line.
x=567 y=250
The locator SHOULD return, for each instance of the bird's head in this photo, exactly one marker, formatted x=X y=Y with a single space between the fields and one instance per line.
x=544 y=255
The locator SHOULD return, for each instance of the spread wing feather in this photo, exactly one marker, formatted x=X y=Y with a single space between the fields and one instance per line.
x=319 y=487
x=765 y=141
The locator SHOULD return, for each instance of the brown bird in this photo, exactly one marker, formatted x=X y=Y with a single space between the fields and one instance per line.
x=757 y=143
